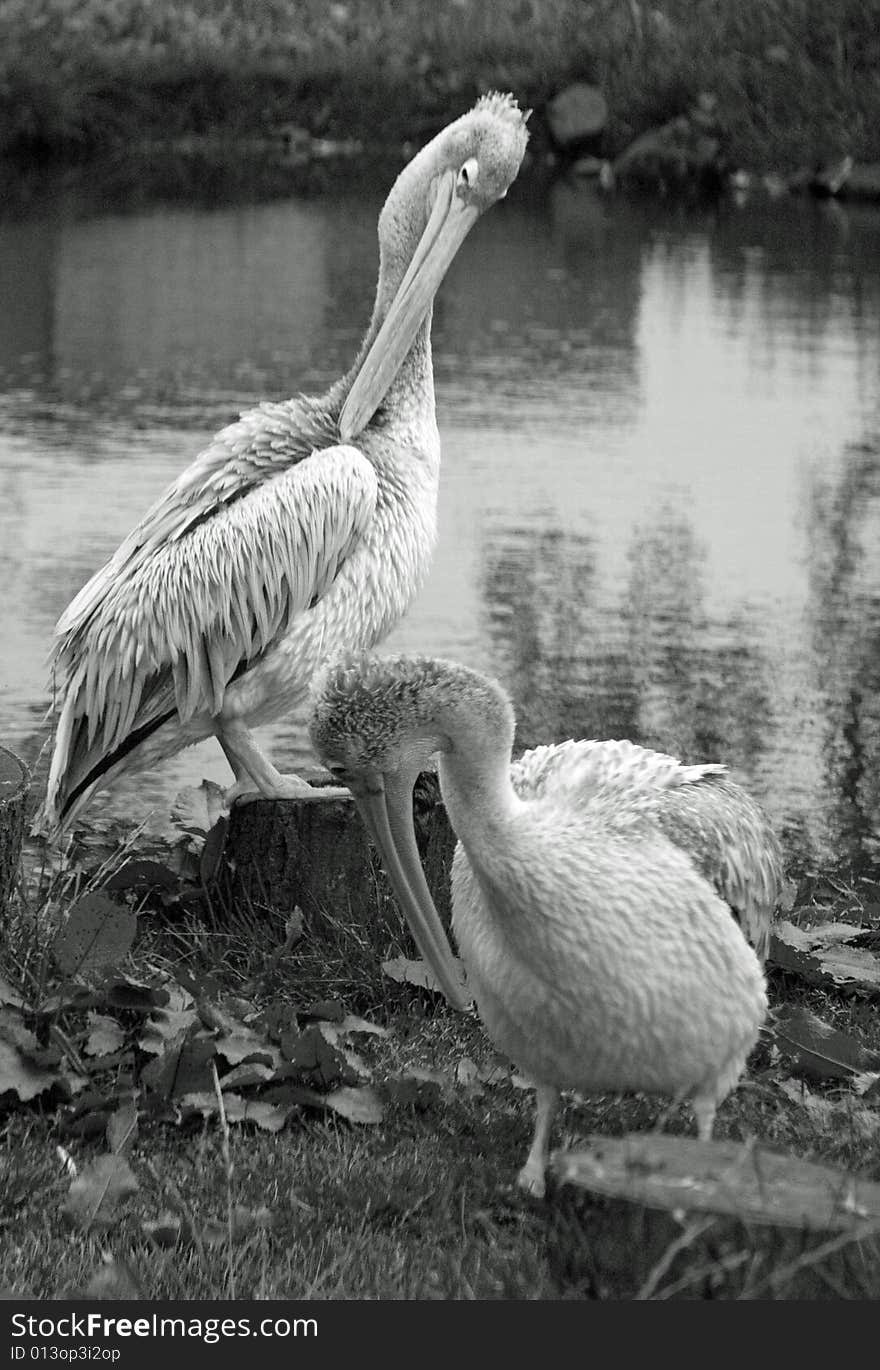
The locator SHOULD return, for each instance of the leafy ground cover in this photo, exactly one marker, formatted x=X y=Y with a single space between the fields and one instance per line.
x=200 y=1102
x=795 y=80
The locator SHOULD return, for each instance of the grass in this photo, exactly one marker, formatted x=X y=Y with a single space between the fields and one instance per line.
x=795 y=79
x=421 y=1204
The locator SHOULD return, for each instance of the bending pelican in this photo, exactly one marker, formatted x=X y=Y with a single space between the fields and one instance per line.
x=592 y=886
x=304 y=528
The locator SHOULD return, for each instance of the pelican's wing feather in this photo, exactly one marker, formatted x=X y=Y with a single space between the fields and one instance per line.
x=266 y=440
x=699 y=809
x=612 y=772
x=730 y=840
x=204 y=592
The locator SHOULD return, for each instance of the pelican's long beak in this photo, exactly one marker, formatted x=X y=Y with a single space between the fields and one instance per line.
x=386 y=808
x=450 y=222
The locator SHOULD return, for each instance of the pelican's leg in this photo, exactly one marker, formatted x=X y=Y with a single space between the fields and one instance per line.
x=704 y=1111
x=254 y=773
x=531 y=1178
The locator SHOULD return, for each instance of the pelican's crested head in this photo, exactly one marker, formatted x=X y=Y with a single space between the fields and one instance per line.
x=431 y=208
x=382 y=714
x=480 y=152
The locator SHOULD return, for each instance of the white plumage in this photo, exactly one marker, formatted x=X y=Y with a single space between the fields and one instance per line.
x=592 y=885
x=286 y=540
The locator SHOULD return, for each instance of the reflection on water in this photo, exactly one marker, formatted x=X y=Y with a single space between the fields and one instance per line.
x=661 y=482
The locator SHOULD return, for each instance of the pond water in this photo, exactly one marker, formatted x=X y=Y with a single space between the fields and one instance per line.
x=660 y=498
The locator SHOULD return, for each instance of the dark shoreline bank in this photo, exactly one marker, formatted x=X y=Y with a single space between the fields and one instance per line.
x=796 y=82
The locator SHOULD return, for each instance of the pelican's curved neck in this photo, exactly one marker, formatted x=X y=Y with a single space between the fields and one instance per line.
x=475 y=775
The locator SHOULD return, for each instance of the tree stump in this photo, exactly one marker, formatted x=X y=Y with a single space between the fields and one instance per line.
x=317 y=854
x=14 y=782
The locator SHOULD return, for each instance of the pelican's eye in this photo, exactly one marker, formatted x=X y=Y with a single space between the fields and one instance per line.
x=467 y=176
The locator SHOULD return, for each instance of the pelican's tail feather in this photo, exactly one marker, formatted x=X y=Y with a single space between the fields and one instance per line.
x=82 y=762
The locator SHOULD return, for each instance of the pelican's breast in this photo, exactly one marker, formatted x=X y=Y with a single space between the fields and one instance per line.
x=373 y=588
x=600 y=958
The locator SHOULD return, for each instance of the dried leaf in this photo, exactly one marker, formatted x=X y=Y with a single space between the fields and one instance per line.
x=127 y=994
x=97 y=1192
x=177 y=999
x=13 y=1030
x=122 y=1126
x=246 y=1046
x=338 y=1032
x=165 y=1026
x=408 y=1092
x=98 y=933
x=412 y=973
x=825 y=955
x=8 y=995
x=818 y=1050
x=310 y=1051
x=113 y=1279
x=198 y=807
x=183 y=1068
x=20 y=1075
x=251 y=1074
x=245 y=1221
x=331 y=1010
x=105 y=1035
x=271 y=1117
x=832 y=1115
x=359 y=1105
x=267 y=1116
x=88 y=1124
x=467 y=1073
x=66 y=1160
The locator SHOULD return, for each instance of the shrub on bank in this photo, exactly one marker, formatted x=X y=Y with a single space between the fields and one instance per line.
x=796 y=80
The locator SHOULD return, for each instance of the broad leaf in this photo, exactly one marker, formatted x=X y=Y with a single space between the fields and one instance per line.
x=417 y=972
x=183 y=1068
x=9 y=995
x=97 y=1192
x=198 y=807
x=122 y=1127
x=114 y=1279
x=837 y=1115
x=165 y=1026
x=818 y=1050
x=105 y=1035
x=358 y=1105
x=246 y=1046
x=98 y=933
x=13 y=1030
x=309 y=1051
x=269 y=1116
x=20 y=1075
x=136 y=998
x=251 y=1074
x=329 y=1010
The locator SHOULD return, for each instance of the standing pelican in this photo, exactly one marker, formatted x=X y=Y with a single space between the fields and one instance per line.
x=592 y=886
x=304 y=528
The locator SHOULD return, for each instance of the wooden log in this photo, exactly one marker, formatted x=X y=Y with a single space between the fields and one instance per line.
x=316 y=854
x=14 y=784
